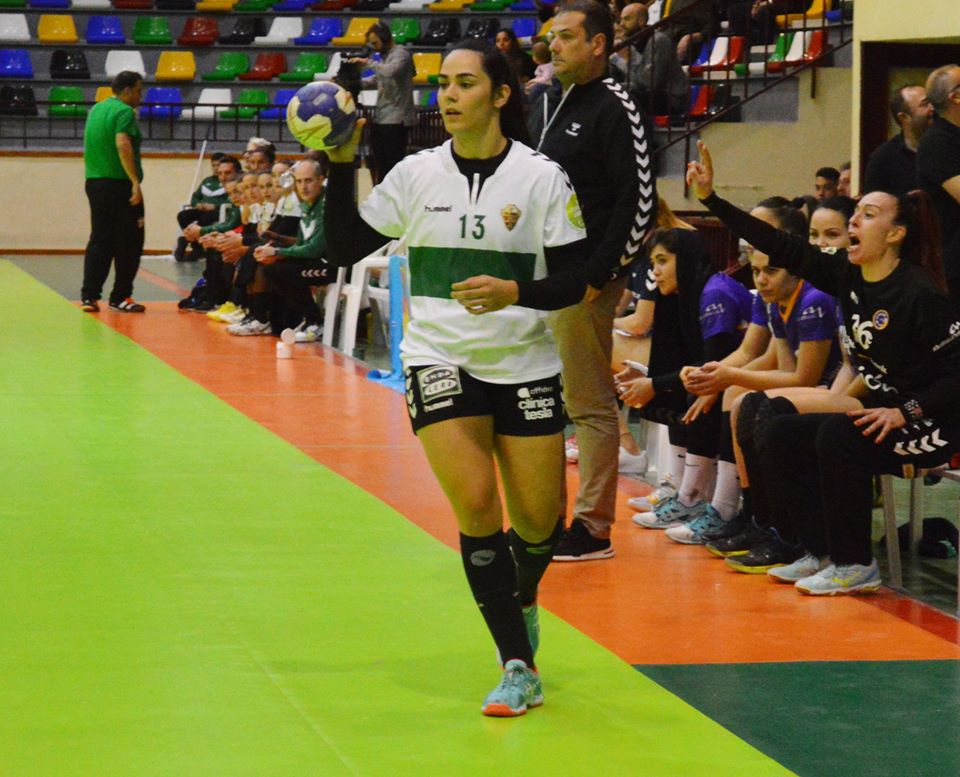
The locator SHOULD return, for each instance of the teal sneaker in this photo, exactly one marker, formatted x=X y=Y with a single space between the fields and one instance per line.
x=842 y=579
x=531 y=618
x=668 y=513
x=519 y=689
x=694 y=530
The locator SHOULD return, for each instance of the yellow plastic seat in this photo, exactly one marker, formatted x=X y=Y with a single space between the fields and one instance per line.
x=427 y=64
x=449 y=6
x=545 y=29
x=103 y=92
x=216 y=6
x=816 y=11
x=56 y=28
x=176 y=66
x=356 y=34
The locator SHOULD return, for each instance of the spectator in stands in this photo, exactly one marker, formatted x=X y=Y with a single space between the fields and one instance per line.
x=938 y=167
x=892 y=167
x=825 y=183
x=205 y=203
x=597 y=136
x=543 y=73
x=757 y=18
x=651 y=73
x=395 y=112
x=520 y=62
x=111 y=156
x=690 y=28
x=843 y=185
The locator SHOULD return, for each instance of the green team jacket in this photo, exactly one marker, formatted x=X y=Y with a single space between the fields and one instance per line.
x=312 y=244
x=231 y=220
x=211 y=192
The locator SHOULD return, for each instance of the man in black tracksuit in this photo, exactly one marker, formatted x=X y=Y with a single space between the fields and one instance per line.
x=597 y=136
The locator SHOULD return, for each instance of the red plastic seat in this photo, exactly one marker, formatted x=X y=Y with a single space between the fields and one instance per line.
x=199 y=31
x=735 y=51
x=333 y=5
x=817 y=45
x=133 y=5
x=700 y=102
x=267 y=67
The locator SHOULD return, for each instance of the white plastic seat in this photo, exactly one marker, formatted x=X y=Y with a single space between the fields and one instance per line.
x=221 y=98
x=332 y=69
x=91 y=4
x=283 y=29
x=13 y=27
x=368 y=98
x=407 y=5
x=118 y=61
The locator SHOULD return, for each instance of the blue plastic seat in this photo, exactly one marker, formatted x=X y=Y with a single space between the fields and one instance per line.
x=161 y=94
x=524 y=5
x=105 y=29
x=49 y=3
x=278 y=108
x=524 y=27
x=298 y=6
x=703 y=58
x=15 y=63
x=321 y=32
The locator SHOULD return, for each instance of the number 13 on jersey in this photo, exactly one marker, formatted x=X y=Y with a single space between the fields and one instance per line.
x=477 y=231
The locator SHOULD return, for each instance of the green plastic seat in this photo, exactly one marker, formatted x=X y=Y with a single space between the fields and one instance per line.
x=13 y=3
x=307 y=64
x=152 y=29
x=248 y=98
x=64 y=102
x=254 y=6
x=488 y=6
x=229 y=66
x=405 y=30
x=774 y=63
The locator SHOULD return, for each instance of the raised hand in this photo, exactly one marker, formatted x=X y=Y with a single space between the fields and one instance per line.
x=700 y=174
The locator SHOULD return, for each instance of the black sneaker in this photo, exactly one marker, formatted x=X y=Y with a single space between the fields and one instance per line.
x=128 y=305
x=773 y=552
x=577 y=544
x=90 y=306
x=729 y=529
x=740 y=543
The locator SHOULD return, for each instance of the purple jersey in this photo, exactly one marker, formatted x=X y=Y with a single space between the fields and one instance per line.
x=808 y=316
x=758 y=312
x=725 y=306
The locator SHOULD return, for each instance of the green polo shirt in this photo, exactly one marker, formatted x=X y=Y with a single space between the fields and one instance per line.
x=104 y=122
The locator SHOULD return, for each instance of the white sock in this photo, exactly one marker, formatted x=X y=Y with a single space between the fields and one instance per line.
x=696 y=477
x=675 y=471
x=726 y=496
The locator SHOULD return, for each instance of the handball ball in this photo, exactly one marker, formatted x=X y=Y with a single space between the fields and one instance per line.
x=322 y=115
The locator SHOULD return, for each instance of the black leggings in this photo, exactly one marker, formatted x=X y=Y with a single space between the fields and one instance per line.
x=701 y=438
x=292 y=280
x=825 y=458
x=116 y=237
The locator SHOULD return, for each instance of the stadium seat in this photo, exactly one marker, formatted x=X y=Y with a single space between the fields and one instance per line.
x=15 y=63
x=321 y=32
x=545 y=28
x=441 y=32
x=103 y=92
x=133 y=5
x=17 y=100
x=176 y=66
x=152 y=29
x=371 y=6
x=266 y=67
x=253 y=6
x=332 y=69
x=308 y=64
x=295 y=6
x=448 y=6
x=331 y=6
x=699 y=101
x=367 y=98
x=814 y=12
x=426 y=98
x=721 y=99
x=199 y=31
x=427 y=65
x=210 y=102
x=176 y=5
x=356 y=34
x=251 y=101
x=13 y=28
x=524 y=5
x=404 y=30
x=816 y=45
x=69 y=64
x=56 y=28
x=524 y=27
x=404 y=6
x=216 y=6
x=105 y=29
x=49 y=3
x=229 y=66
x=490 y=6
x=244 y=31
x=151 y=109
x=65 y=102
x=282 y=31
x=118 y=61
x=484 y=29
x=13 y=3
x=278 y=107
x=91 y=5
x=774 y=63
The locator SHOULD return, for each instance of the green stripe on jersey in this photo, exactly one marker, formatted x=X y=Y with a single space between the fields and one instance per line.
x=433 y=270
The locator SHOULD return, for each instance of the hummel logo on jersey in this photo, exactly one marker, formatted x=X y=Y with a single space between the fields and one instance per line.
x=438 y=208
x=651 y=281
x=307 y=229
x=574 y=129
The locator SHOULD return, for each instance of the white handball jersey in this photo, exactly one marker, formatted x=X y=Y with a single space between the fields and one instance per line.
x=453 y=234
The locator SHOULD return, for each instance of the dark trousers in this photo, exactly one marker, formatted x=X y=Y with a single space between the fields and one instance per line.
x=826 y=457
x=389 y=143
x=218 y=276
x=116 y=236
x=203 y=217
x=291 y=281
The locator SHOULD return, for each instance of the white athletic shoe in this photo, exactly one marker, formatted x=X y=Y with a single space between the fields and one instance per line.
x=250 y=328
x=631 y=464
x=842 y=579
x=571 y=450
x=308 y=334
x=234 y=318
x=807 y=566
x=665 y=490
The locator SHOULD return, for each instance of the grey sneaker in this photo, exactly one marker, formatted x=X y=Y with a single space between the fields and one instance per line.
x=807 y=566
x=665 y=490
x=668 y=513
x=842 y=579
x=693 y=531
x=519 y=689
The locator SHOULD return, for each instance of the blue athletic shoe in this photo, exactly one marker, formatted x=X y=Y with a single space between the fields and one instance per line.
x=668 y=513
x=519 y=689
x=694 y=531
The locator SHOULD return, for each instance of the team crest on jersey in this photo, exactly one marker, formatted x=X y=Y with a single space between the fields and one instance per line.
x=880 y=320
x=574 y=214
x=510 y=215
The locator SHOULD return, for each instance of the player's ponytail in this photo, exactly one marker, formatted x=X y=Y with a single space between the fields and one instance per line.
x=915 y=211
x=495 y=65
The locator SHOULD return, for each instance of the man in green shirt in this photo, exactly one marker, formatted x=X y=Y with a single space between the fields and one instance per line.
x=111 y=155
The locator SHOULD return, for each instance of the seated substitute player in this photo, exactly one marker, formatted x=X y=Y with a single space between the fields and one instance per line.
x=486 y=219
x=205 y=203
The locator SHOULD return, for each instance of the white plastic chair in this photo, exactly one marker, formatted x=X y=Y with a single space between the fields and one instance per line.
x=368 y=98
x=281 y=31
x=118 y=61
x=332 y=69
x=13 y=27
x=91 y=4
x=221 y=98
x=407 y=5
